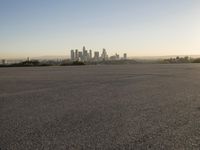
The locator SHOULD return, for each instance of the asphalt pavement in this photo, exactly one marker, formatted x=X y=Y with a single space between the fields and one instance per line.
x=103 y=107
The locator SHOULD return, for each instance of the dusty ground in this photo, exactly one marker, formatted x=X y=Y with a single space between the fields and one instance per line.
x=100 y=107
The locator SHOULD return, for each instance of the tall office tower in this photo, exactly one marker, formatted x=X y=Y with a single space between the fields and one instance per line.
x=117 y=56
x=84 y=48
x=125 y=56
x=76 y=55
x=84 y=54
x=96 y=56
x=3 y=61
x=72 y=55
x=80 y=54
x=90 y=55
x=104 y=55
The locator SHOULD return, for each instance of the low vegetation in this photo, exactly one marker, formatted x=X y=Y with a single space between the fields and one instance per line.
x=197 y=60
x=31 y=63
x=185 y=59
x=74 y=63
x=35 y=63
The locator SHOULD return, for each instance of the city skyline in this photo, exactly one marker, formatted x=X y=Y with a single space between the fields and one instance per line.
x=89 y=55
x=140 y=28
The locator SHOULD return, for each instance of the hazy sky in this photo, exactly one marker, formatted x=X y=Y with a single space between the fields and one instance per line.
x=138 y=27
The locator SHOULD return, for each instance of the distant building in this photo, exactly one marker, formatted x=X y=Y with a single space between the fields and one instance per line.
x=125 y=56
x=96 y=56
x=114 y=57
x=85 y=54
x=72 y=55
x=104 y=55
x=76 y=55
x=84 y=48
x=117 y=56
x=80 y=54
x=3 y=61
x=90 y=55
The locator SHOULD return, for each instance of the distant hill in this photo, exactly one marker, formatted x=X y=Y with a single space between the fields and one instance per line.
x=50 y=57
x=162 y=57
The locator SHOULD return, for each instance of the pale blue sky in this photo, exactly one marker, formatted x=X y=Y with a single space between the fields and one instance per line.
x=138 y=27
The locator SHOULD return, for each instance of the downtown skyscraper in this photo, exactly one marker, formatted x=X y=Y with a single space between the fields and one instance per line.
x=86 y=55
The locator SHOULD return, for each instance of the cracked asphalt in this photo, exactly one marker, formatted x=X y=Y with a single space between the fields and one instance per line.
x=105 y=107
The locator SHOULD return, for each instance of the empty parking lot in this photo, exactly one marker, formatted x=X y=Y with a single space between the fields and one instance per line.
x=147 y=106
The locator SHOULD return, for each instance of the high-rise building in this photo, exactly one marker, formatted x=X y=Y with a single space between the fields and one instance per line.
x=96 y=56
x=80 y=54
x=117 y=56
x=76 y=55
x=125 y=56
x=72 y=55
x=84 y=54
x=84 y=48
x=90 y=55
x=114 y=57
x=3 y=61
x=104 y=55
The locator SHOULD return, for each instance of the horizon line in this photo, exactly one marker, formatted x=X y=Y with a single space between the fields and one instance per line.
x=68 y=56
